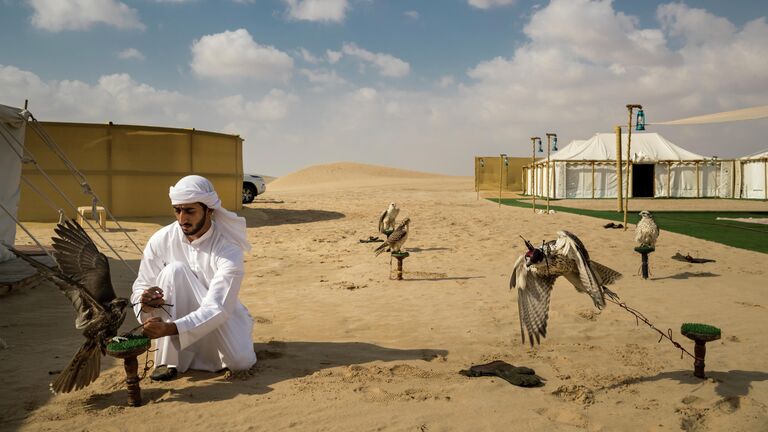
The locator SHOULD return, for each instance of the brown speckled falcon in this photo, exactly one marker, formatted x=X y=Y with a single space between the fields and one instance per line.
x=535 y=273
x=646 y=231
x=395 y=240
x=83 y=276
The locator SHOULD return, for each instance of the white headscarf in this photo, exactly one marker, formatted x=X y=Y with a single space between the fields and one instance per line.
x=195 y=188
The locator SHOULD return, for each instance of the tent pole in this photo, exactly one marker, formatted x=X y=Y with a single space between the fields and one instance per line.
x=533 y=164
x=619 y=182
x=765 y=177
x=698 y=185
x=630 y=107
x=669 y=179
x=593 y=180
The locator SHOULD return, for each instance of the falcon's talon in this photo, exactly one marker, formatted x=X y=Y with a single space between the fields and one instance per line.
x=118 y=339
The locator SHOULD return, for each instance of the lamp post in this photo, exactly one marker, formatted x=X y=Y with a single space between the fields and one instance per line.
x=640 y=127
x=550 y=136
x=503 y=162
x=533 y=169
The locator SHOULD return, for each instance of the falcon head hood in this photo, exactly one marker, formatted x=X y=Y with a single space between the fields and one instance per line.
x=534 y=255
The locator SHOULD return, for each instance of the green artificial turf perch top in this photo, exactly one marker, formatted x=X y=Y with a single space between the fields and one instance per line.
x=700 y=329
x=131 y=342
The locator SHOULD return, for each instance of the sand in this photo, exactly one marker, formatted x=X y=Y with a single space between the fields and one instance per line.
x=343 y=347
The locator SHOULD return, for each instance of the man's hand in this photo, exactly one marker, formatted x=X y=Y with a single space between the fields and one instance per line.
x=151 y=298
x=155 y=328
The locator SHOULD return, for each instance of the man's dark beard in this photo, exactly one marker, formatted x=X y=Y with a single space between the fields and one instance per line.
x=196 y=228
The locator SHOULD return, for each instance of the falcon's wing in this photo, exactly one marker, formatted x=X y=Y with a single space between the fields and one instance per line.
x=570 y=246
x=533 y=294
x=381 y=221
x=397 y=236
x=87 y=307
x=79 y=259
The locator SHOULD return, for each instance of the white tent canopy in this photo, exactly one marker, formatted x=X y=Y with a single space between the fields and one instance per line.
x=587 y=169
x=12 y=127
x=754 y=175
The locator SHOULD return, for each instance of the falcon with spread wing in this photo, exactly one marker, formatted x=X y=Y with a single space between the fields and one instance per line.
x=387 y=218
x=535 y=273
x=83 y=276
x=646 y=231
x=397 y=239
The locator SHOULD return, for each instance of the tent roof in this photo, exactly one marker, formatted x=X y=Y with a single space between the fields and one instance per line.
x=646 y=147
x=759 y=155
x=11 y=115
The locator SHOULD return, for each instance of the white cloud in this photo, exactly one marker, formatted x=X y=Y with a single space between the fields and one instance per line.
x=322 y=79
x=333 y=56
x=58 y=15
x=130 y=54
x=411 y=14
x=486 y=4
x=234 y=54
x=272 y=107
x=114 y=97
x=317 y=10
x=696 y=25
x=387 y=65
x=308 y=56
x=446 y=81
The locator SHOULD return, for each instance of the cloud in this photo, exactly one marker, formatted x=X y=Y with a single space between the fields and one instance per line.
x=130 y=54
x=272 y=107
x=387 y=65
x=333 y=56
x=317 y=10
x=322 y=79
x=487 y=4
x=411 y=14
x=234 y=54
x=308 y=56
x=59 y=15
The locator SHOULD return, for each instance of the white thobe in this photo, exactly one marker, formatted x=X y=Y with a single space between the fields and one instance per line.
x=201 y=279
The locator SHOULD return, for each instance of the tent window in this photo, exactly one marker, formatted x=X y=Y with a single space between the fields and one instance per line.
x=642 y=181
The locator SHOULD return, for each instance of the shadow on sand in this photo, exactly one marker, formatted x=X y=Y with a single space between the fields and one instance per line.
x=278 y=361
x=733 y=383
x=271 y=217
x=688 y=275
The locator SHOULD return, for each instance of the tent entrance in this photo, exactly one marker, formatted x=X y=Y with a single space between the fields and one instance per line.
x=642 y=180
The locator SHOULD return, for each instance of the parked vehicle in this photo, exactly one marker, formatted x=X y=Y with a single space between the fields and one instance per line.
x=253 y=186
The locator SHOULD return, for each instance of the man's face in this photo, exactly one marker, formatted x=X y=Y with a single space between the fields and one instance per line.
x=191 y=217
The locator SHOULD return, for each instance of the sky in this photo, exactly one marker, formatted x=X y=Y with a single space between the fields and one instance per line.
x=413 y=84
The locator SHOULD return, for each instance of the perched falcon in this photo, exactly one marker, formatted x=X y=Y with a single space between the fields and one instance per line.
x=387 y=218
x=83 y=276
x=646 y=231
x=395 y=240
x=535 y=274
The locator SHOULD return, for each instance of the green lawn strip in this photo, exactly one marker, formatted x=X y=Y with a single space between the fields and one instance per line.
x=699 y=224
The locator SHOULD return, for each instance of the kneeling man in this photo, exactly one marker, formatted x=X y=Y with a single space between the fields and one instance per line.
x=188 y=286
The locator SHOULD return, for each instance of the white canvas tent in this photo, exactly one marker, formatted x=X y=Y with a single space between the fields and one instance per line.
x=12 y=127
x=659 y=169
x=754 y=176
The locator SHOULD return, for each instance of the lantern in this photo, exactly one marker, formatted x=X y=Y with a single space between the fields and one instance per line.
x=640 y=123
x=554 y=143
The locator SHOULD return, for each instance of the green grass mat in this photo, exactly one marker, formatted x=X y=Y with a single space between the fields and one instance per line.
x=134 y=341
x=699 y=224
x=702 y=329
